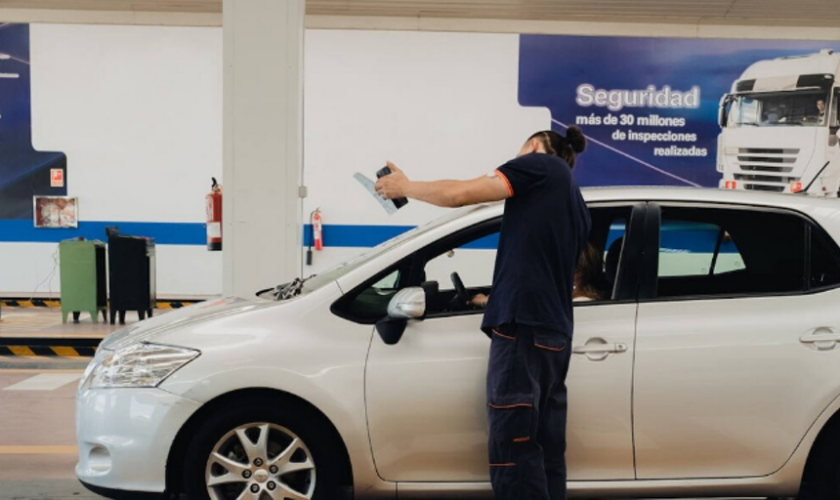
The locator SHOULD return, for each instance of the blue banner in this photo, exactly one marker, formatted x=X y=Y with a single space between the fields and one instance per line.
x=650 y=106
x=24 y=172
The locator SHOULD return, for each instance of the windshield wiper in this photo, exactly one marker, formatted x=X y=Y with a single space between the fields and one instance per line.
x=741 y=124
x=287 y=290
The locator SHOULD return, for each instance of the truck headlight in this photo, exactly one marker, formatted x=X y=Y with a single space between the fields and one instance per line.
x=136 y=366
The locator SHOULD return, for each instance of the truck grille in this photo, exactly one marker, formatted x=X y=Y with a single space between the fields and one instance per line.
x=764 y=169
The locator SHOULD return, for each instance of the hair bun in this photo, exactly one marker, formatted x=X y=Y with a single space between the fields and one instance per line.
x=576 y=139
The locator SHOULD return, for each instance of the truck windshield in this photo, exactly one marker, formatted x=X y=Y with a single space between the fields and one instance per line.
x=778 y=109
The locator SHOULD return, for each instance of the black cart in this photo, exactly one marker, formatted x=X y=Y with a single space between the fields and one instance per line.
x=131 y=262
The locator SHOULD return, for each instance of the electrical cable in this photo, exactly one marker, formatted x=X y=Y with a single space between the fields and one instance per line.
x=48 y=279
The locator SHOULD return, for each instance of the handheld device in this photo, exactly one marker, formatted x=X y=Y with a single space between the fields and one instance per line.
x=370 y=186
x=398 y=202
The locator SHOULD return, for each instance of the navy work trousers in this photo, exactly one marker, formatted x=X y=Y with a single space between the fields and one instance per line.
x=526 y=396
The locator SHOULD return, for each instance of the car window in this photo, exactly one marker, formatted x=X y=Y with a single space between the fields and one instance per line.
x=472 y=254
x=825 y=261
x=688 y=248
x=708 y=251
x=473 y=261
x=607 y=237
x=371 y=302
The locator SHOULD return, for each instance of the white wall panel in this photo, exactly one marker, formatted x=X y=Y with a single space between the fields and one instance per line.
x=137 y=110
x=439 y=105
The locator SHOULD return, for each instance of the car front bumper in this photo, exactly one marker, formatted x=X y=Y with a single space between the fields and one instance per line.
x=124 y=437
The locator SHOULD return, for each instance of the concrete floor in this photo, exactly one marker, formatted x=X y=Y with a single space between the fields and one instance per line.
x=46 y=322
x=37 y=436
x=37 y=399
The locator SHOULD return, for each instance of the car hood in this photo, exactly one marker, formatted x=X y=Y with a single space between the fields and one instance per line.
x=191 y=316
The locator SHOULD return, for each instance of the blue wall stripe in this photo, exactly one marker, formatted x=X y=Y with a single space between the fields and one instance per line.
x=344 y=235
x=335 y=235
x=164 y=233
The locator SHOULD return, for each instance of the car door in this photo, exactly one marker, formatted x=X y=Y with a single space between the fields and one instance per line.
x=732 y=361
x=425 y=395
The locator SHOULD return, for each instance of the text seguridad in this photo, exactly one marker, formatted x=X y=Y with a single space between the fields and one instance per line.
x=617 y=99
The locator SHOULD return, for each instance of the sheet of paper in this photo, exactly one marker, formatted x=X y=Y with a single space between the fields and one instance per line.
x=388 y=205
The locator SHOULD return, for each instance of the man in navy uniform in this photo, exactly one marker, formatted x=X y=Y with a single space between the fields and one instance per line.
x=529 y=312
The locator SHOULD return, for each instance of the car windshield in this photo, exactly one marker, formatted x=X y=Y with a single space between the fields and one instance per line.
x=777 y=109
x=336 y=272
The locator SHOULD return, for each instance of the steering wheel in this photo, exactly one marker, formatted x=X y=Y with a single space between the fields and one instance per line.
x=460 y=289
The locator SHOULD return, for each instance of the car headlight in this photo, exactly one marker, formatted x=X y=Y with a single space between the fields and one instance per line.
x=136 y=365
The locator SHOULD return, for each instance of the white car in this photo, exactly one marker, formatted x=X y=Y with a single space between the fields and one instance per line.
x=710 y=368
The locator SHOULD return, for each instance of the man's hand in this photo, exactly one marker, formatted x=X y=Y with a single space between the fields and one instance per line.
x=392 y=185
x=480 y=300
x=442 y=193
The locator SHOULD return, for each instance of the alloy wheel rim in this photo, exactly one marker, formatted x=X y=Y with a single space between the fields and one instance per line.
x=260 y=461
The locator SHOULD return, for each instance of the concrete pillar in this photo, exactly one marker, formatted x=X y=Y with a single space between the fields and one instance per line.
x=263 y=143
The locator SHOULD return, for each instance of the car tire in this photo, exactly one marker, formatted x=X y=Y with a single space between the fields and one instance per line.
x=820 y=481
x=287 y=454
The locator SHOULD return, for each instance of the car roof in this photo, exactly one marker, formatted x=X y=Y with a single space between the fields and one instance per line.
x=824 y=210
x=820 y=207
x=709 y=195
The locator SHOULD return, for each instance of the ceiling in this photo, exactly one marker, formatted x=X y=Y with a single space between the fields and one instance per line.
x=811 y=13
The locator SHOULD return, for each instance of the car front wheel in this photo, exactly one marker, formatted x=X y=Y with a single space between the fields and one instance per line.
x=255 y=452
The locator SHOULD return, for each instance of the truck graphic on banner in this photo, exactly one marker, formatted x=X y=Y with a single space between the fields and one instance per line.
x=779 y=127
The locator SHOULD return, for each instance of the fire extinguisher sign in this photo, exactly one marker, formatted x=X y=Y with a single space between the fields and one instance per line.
x=57 y=177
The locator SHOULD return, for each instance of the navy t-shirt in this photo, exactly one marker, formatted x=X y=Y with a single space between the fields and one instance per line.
x=544 y=228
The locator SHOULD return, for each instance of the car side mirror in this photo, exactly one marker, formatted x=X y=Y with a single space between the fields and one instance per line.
x=834 y=138
x=408 y=303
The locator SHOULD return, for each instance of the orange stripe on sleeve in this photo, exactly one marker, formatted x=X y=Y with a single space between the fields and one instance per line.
x=506 y=181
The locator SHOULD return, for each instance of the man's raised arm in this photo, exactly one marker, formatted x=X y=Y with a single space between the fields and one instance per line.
x=443 y=193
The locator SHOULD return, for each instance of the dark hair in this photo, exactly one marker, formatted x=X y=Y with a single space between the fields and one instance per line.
x=567 y=147
x=589 y=273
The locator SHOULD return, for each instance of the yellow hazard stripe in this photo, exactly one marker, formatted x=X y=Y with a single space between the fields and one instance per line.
x=30 y=303
x=21 y=350
x=61 y=350
x=174 y=304
x=64 y=351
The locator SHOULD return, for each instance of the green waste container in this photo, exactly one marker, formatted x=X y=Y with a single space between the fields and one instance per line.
x=83 y=279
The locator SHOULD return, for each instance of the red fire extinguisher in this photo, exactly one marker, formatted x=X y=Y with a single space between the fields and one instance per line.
x=317 y=235
x=214 y=217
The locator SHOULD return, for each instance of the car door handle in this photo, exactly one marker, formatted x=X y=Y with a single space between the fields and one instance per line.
x=823 y=338
x=599 y=348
